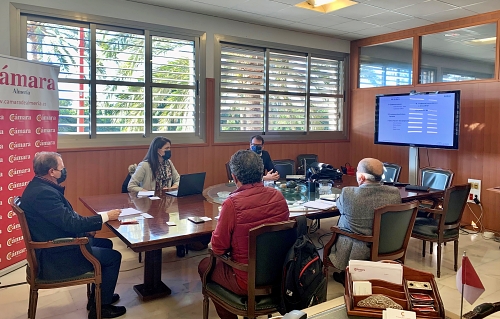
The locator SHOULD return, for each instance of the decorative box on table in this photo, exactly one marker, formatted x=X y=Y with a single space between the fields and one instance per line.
x=416 y=283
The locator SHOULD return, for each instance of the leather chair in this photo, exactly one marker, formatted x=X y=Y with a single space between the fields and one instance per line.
x=228 y=173
x=284 y=167
x=436 y=178
x=32 y=269
x=303 y=162
x=391 y=172
x=265 y=267
x=444 y=224
x=392 y=227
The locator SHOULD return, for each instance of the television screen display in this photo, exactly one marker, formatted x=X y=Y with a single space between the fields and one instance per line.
x=427 y=119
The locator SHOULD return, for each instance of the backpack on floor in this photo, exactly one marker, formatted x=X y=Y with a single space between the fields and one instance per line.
x=303 y=283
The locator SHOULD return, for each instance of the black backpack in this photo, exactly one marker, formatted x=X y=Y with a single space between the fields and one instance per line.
x=303 y=283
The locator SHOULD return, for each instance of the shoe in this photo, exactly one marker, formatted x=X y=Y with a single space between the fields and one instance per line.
x=339 y=277
x=107 y=311
x=181 y=250
x=114 y=299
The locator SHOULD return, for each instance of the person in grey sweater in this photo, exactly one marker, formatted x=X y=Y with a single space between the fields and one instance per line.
x=357 y=206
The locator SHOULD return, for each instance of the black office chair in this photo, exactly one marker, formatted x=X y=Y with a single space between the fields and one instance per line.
x=304 y=161
x=284 y=167
x=228 y=173
x=391 y=173
x=436 y=178
x=443 y=224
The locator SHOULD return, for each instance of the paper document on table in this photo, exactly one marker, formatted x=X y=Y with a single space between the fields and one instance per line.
x=366 y=270
x=297 y=214
x=299 y=208
x=145 y=193
x=129 y=211
x=320 y=204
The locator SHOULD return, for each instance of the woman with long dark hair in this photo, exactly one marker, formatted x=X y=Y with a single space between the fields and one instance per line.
x=156 y=172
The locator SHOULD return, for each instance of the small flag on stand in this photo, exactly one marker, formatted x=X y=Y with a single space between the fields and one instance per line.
x=468 y=282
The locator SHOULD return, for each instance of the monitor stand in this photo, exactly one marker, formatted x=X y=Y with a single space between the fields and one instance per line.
x=413 y=166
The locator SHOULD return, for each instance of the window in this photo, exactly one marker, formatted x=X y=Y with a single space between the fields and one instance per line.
x=375 y=74
x=277 y=92
x=116 y=80
x=386 y=64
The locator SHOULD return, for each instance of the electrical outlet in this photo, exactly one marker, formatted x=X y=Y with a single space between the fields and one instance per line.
x=475 y=190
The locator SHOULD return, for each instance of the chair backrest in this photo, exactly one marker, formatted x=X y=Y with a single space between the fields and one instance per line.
x=392 y=227
x=391 y=172
x=228 y=172
x=455 y=199
x=265 y=261
x=304 y=161
x=437 y=178
x=30 y=252
x=284 y=167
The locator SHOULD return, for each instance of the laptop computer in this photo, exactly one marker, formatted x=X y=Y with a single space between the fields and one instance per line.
x=189 y=184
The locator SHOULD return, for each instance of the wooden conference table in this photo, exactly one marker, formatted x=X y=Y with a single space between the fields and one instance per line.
x=150 y=235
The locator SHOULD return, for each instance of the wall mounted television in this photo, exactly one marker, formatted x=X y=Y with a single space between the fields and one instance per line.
x=425 y=119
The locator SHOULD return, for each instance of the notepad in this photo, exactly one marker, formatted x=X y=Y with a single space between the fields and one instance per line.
x=145 y=193
x=320 y=204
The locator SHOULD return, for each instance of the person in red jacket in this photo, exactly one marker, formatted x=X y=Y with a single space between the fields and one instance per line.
x=249 y=206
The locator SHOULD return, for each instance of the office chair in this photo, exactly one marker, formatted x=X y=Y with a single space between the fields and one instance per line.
x=228 y=173
x=92 y=277
x=443 y=225
x=391 y=172
x=284 y=167
x=436 y=178
x=265 y=267
x=304 y=161
x=392 y=228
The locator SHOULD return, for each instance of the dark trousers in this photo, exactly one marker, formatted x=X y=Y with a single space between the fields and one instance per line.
x=223 y=275
x=110 y=259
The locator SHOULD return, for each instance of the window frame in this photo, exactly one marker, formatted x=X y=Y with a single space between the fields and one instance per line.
x=232 y=137
x=20 y=13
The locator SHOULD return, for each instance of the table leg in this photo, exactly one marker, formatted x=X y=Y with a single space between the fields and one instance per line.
x=152 y=287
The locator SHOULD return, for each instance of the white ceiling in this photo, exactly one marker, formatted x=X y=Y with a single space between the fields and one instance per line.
x=365 y=19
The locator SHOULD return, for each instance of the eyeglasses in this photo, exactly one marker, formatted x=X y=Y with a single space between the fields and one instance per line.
x=253 y=144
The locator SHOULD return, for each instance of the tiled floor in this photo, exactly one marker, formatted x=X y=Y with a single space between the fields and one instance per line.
x=180 y=274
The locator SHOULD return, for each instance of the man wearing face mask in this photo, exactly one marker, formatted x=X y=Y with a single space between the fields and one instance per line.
x=257 y=145
x=357 y=206
x=50 y=216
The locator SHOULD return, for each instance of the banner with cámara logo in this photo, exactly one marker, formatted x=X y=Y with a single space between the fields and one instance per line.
x=29 y=113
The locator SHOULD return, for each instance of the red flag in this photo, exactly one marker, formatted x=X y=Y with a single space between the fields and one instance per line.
x=466 y=275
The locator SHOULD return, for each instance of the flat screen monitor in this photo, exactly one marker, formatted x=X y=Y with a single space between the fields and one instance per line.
x=427 y=119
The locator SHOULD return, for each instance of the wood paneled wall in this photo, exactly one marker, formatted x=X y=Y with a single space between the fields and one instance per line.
x=478 y=156
x=479 y=150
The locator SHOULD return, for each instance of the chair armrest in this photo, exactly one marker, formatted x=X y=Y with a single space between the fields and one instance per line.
x=340 y=231
x=433 y=211
x=225 y=259
x=59 y=242
x=81 y=242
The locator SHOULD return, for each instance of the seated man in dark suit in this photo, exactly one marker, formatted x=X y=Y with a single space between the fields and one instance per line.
x=257 y=145
x=50 y=216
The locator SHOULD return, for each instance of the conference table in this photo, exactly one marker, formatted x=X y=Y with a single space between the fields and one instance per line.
x=152 y=234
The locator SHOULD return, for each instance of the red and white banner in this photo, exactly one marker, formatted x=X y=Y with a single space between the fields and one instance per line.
x=29 y=113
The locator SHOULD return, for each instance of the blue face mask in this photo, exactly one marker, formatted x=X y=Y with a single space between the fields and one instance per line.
x=167 y=155
x=256 y=148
